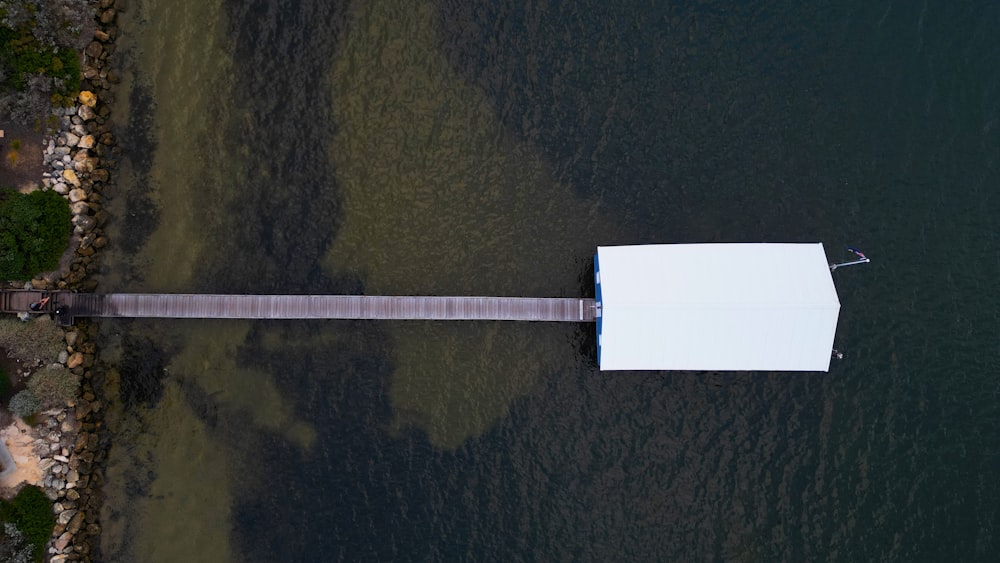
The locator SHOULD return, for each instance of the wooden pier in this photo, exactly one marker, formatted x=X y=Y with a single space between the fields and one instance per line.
x=208 y=306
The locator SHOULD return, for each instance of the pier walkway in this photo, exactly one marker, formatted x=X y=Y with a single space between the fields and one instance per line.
x=209 y=306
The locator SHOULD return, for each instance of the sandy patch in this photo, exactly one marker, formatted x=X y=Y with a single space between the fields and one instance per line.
x=21 y=168
x=19 y=439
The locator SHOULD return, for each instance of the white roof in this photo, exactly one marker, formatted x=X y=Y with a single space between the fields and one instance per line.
x=766 y=307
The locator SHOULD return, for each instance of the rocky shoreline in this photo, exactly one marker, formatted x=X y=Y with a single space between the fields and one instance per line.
x=79 y=158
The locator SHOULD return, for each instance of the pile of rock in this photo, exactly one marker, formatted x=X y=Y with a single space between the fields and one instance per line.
x=73 y=450
x=75 y=170
x=80 y=156
x=79 y=160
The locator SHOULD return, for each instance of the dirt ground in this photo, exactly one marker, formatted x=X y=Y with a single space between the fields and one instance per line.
x=20 y=443
x=16 y=435
x=21 y=169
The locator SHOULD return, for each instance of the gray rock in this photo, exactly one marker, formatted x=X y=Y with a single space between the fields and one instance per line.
x=62 y=543
x=71 y=139
x=65 y=516
x=86 y=113
x=85 y=222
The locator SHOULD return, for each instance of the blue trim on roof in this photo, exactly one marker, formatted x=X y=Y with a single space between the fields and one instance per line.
x=597 y=290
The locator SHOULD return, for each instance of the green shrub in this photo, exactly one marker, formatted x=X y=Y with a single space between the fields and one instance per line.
x=24 y=56
x=39 y=60
x=24 y=403
x=39 y=338
x=34 y=233
x=53 y=386
x=31 y=513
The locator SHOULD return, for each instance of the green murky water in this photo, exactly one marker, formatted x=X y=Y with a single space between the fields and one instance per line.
x=487 y=148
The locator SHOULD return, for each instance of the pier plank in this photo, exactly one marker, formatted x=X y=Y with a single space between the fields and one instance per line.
x=217 y=306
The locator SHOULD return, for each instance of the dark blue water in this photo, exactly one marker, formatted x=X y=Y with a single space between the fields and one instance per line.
x=477 y=147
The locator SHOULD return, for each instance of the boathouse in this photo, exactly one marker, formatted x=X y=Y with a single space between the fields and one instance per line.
x=768 y=307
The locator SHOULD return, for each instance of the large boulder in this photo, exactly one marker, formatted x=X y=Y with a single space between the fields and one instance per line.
x=94 y=50
x=86 y=113
x=83 y=162
x=71 y=177
x=62 y=543
x=74 y=360
x=88 y=98
x=77 y=194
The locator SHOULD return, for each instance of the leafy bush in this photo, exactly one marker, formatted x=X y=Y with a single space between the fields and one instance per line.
x=24 y=403
x=49 y=22
x=40 y=338
x=39 y=40
x=31 y=514
x=34 y=233
x=53 y=386
x=23 y=57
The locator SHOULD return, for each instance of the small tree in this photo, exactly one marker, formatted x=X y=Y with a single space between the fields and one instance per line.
x=34 y=233
x=31 y=514
x=24 y=404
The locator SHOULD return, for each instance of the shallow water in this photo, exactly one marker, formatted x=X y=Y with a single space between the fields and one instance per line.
x=424 y=147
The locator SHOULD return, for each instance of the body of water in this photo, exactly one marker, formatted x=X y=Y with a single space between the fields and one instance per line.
x=487 y=148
